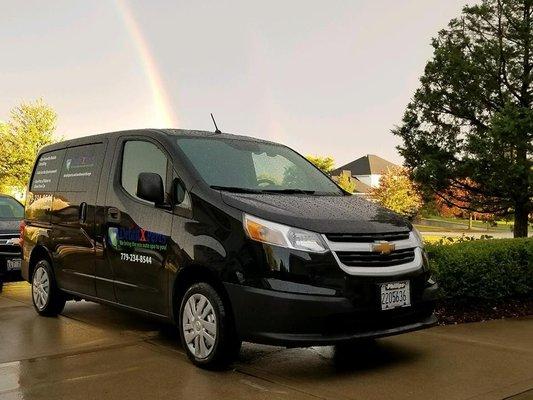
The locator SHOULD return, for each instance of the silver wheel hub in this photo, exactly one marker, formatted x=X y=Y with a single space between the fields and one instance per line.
x=40 y=288
x=199 y=325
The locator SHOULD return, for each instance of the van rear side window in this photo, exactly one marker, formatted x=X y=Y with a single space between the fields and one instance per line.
x=46 y=173
x=80 y=168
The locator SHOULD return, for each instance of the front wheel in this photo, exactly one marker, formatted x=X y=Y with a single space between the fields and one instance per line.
x=206 y=329
x=47 y=298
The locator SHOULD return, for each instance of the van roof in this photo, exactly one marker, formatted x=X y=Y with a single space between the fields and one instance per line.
x=223 y=135
x=168 y=132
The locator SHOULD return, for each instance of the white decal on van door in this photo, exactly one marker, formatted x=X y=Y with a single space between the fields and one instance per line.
x=137 y=258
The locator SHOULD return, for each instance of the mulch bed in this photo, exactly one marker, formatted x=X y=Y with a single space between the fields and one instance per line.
x=451 y=312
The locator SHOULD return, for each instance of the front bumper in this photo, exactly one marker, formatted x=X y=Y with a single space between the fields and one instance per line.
x=9 y=253
x=295 y=319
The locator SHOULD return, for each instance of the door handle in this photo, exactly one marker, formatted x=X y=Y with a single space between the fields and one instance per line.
x=83 y=212
x=113 y=214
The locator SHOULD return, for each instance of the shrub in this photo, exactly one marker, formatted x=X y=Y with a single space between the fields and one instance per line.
x=483 y=269
x=431 y=239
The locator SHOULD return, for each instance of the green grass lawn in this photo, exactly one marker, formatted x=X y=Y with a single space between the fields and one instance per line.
x=427 y=228
x=501 y=225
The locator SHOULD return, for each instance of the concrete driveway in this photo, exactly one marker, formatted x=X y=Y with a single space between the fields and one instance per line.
x=95 y=352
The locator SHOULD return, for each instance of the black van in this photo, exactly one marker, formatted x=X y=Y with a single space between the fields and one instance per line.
x=11 y=213
x=229 y=237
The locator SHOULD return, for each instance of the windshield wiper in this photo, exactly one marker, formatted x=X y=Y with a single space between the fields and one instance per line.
x=235 y=189
x=289 y=191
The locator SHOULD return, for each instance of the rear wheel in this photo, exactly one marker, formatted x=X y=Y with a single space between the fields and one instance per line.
x=47 y=298
x=206 y=329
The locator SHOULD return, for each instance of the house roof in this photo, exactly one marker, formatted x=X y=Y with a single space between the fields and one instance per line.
x=366 y=165
x=361 y=187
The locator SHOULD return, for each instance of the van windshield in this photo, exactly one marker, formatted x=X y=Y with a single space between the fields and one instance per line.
x=254 y=167
x=10 y=209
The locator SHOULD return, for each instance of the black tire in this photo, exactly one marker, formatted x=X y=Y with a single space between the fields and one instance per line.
x=226 y=342
x=55 y=301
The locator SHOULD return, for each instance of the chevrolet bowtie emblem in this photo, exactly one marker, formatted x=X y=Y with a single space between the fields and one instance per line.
x=383 y=247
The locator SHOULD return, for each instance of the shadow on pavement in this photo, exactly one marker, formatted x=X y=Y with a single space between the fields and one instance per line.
x=371 y=354
x=357 y=356
x=345 y=358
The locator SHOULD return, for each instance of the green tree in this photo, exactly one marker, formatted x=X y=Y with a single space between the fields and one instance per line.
x=326 y=164
x=346 y=181
x=397 y=192
x=30 y=127
x=469 y=126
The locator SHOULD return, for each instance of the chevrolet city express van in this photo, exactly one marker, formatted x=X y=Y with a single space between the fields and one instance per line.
x=229 y=237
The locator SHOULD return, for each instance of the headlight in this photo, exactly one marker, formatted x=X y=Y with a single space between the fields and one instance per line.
x=418 y=237
x=281 y=235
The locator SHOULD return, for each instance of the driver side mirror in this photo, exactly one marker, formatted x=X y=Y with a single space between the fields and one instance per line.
x=150 y=188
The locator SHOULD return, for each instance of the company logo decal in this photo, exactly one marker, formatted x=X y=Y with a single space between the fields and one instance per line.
x=136 y=237
x=383 y=247
x=79 y=166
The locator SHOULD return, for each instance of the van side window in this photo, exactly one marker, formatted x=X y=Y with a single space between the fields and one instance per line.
x=141 y=156
x=81 y=168
x=46 y=175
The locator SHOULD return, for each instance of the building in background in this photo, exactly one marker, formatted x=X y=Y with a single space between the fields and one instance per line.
x=365 y=171
x=350 y=183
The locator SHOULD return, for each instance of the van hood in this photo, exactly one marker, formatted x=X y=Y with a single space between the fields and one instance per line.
x=322 y=214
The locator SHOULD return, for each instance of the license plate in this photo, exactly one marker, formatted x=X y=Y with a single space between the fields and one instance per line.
x=395 y=294
x=14 y=264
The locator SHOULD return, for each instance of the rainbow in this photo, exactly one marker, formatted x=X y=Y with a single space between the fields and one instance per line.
x=163 y=113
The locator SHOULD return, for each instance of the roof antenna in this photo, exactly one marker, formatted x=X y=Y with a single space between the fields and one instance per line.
x=215 y=122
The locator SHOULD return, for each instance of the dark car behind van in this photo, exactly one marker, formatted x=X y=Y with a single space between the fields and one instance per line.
x=229 y=237
x=11 y=214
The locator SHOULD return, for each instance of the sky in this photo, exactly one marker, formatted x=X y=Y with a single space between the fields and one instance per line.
x=323 y=77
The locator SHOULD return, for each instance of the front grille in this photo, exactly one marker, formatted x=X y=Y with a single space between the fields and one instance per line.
x=368 y=259
x=9 y=249
x=367 y=237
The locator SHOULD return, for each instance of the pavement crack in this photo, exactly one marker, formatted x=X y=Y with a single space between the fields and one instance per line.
x=73 y=352
x=286 y=385
x=527 y=391
x=478 y=342
x=54 y=382
x=292 y=388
